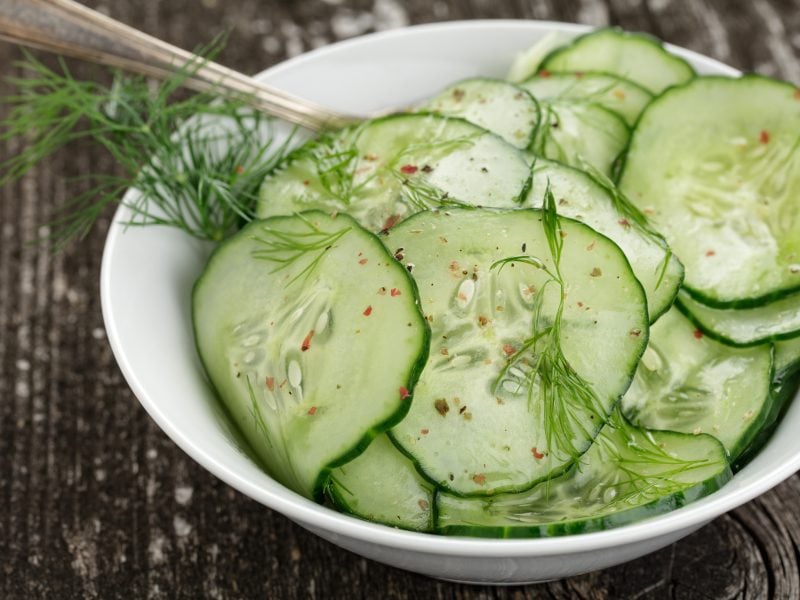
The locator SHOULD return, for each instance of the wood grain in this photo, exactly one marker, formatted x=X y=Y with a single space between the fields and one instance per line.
x=96 y=502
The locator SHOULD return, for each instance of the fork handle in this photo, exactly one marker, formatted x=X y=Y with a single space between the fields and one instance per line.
x=71 y=29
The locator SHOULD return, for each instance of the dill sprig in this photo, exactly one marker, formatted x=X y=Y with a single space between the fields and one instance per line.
x=567 y=397
x=284 y=248
x=196 y=162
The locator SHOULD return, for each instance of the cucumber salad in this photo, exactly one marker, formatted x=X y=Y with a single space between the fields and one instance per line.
x=525 y=308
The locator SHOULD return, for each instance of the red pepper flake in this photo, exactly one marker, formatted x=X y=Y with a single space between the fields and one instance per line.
x=409 y=169
x=544 y=73
x=363 y=261
x=480 y=479
x=270 y=383
x=239 y=170
x=698 y=335
x=390 y=222
x=536 y=454
x=312 y=411
x=404 y=393
x=425 y=431
x=306 y=182
x=625 y=223
x=508 y=349
x=763 y=136
x=367 y=311
x=394 y=292
x=797 y=94
x=580 y=304
x=710 y=253
x=307 y=341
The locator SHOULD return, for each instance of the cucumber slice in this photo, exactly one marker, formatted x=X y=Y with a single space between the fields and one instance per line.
x=634 y=56
x=715 y=165
x=627 y=475
x=599 y=204
x=390 y=168
x=580 y=133
x=785 y=383
x=294 y=317
x=787 y=356
x=382 y=485
x=623 y=97
x=778 y=320
x=519 y=379
x=692 y=384
x=494 y=104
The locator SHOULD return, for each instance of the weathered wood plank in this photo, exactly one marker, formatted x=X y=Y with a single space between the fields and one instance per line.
x=95 y=502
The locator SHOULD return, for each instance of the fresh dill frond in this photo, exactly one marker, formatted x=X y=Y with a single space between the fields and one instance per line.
x=196 y=162
x=567 y=398
x=284 y=248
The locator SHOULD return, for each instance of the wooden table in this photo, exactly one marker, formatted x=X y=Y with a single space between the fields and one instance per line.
x=96 y=502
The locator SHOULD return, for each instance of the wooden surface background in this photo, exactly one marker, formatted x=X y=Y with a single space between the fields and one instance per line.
x=96 y=502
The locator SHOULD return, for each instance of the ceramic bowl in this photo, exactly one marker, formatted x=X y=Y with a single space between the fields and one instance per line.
x=147 y=275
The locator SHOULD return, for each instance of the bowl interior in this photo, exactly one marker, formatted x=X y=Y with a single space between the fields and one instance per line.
x=148 y=273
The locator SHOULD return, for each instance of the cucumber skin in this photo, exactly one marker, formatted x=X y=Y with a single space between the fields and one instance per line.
x=341 y=504
x=413 y=375
x=560 y=528
x=785 y=385
x=751 y=302
x=640 y=36
x=724 y=340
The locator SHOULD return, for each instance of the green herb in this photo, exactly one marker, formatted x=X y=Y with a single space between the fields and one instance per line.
x=196 y=162
x=567 y=397
x=284 y=248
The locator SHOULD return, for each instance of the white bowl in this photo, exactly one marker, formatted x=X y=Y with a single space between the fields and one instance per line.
x=147 y=275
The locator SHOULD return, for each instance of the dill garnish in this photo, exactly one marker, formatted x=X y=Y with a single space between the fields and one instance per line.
x=567 y=397
x=196 y=161
x=285 y=247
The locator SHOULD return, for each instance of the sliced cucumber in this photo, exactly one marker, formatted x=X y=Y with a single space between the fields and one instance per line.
x=520 y=378
x=526 y=63
x=787 y=356
x=692 y=384
x=715 y=165
x=390 y=168
x=634 y=56
x=294 y=317
x=622 y=96
x=785 y=383
x=778 y=320
x=382 y=485
x=627 y=475
x=579 y=133
x=494 y=104
x=599 y=204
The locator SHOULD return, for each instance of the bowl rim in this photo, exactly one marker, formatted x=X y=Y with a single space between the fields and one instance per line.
x=317 y=516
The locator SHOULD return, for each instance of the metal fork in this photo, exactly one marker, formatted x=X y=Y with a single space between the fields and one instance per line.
x=71 y=29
